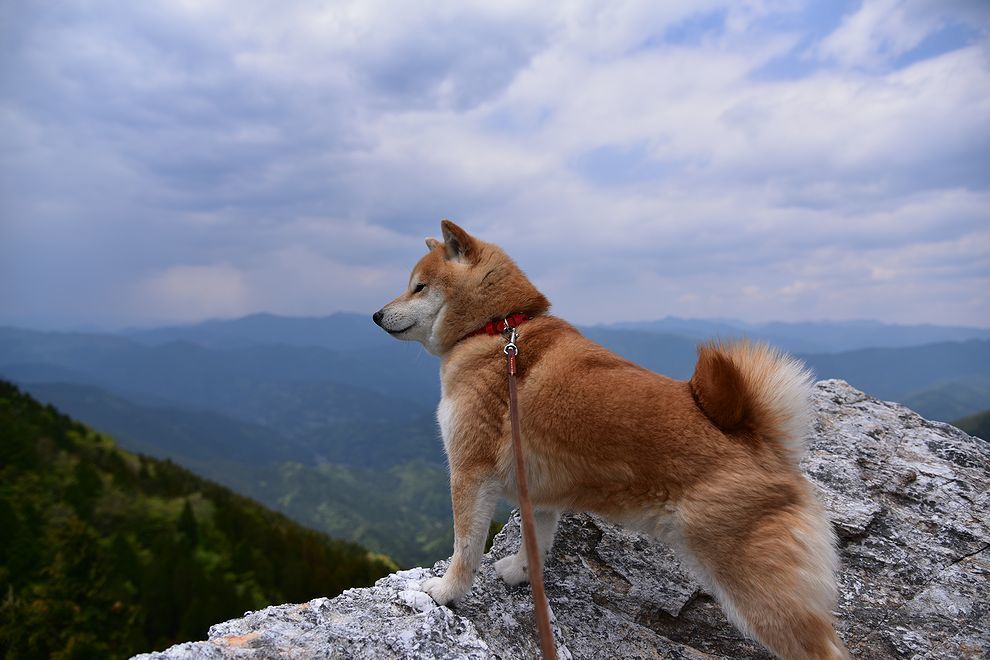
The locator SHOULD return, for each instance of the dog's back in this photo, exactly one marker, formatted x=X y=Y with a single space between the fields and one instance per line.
x=709 y=464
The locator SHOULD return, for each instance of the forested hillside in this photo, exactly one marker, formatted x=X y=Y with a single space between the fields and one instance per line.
x=104 y=553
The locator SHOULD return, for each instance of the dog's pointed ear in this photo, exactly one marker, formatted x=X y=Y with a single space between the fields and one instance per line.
x=460 y=245
x=432 y=243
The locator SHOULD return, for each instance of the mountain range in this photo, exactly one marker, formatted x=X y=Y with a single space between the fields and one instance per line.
x=813 y=336
x=330 y=421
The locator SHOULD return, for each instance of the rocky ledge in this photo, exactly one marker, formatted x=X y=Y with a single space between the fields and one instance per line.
x=910 y=500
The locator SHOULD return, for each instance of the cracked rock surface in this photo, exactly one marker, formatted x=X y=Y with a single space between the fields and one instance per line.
x=910 y=500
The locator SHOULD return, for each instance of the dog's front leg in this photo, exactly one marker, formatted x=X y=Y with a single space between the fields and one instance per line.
x=474 y=500
x=514 y=569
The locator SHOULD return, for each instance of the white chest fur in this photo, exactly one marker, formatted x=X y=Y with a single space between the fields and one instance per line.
x=447 y=419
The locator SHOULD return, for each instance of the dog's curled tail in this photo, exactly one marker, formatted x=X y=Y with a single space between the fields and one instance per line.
x=750 y=386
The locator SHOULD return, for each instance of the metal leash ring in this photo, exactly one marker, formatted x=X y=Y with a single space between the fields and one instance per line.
x=512 y=344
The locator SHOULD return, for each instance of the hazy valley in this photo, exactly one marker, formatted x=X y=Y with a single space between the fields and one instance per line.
x=330 y=421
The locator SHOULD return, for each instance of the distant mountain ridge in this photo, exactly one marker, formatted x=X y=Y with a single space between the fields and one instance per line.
x=332 y=421
x=812 y=336
x=347 y=380
x=901 y=374
x=354 y=331
x=341 y=329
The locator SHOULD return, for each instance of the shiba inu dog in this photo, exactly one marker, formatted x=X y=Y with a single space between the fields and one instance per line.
x=709 y=465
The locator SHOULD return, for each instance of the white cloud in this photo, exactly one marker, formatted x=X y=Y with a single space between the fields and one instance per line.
x=291 y=157
x=879 y=31
x=192 y=292
x=882 y=30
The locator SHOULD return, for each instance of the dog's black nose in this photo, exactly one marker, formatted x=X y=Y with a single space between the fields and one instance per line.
x=378 y=317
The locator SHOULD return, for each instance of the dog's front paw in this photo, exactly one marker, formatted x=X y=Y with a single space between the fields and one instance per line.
x=512 y=569
x=443 y=591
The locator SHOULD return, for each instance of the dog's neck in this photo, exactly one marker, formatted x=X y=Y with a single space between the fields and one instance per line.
x=499 y=326
x=491 y=288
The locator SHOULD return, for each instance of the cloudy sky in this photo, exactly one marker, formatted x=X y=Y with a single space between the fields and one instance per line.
x=758 y=159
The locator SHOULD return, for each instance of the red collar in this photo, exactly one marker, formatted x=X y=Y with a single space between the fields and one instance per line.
x=498 y=327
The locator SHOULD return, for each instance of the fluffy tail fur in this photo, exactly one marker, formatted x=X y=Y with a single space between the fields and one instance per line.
x=762 y=540
x=748 y=386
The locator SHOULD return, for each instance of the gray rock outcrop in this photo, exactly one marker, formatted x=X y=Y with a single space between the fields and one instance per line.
x=910 y=500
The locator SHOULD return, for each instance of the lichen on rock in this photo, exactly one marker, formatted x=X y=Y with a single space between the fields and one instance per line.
x=909 y=498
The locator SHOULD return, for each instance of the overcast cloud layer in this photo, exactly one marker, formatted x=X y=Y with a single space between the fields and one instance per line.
x=173 y=161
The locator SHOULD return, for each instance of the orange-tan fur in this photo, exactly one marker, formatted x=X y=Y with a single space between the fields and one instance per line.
x=709 y=465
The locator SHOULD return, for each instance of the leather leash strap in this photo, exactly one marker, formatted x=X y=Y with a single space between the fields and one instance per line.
x=526 y=509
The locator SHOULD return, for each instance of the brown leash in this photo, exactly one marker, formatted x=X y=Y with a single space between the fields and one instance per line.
x=526 y=509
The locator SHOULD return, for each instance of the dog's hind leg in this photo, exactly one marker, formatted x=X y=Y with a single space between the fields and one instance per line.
x=474 y=501
x=774 y=576
x=514 y=569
